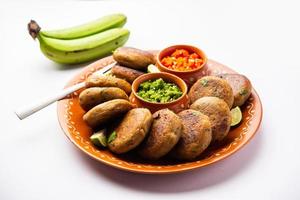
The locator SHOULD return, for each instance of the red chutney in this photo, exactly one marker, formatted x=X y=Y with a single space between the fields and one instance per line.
x=182 y=60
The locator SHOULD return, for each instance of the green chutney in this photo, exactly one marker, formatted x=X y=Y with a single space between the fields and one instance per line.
x=159 y=91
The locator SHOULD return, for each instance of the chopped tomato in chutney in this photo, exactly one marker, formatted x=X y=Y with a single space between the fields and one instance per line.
x=182 y=60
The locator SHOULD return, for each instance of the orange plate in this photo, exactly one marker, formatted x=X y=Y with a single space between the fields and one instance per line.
x=70 y=118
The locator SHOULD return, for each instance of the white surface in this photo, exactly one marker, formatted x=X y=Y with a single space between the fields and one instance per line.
x=256 y=38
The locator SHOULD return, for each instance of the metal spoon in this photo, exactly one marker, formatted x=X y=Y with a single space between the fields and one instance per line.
x=28 y=110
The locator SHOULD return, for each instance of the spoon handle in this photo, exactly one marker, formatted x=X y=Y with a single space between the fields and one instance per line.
x=28 y=110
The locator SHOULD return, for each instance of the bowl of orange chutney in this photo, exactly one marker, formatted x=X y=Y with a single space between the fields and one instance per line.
x=184 y=61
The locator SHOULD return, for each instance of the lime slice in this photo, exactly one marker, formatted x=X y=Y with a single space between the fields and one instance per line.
x=99 y=138
x=152 y=69
x=236 y=116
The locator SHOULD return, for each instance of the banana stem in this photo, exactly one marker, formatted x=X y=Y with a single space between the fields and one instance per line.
x=33 y=29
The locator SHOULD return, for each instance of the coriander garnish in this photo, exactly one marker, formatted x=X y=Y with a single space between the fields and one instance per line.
x=243 y=91
x=204 y=82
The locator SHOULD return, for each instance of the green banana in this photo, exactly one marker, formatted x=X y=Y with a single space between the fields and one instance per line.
x=84 y=49
x=90 y=28
x=82 y=43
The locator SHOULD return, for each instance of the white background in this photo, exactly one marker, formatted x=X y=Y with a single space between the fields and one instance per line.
x=257 y=38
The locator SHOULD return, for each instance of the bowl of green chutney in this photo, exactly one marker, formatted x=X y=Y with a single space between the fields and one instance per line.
x=157 y=91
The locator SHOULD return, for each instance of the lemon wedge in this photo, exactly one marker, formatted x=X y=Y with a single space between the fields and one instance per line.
x=99 y=138
x=236 y=116
x=152 y=69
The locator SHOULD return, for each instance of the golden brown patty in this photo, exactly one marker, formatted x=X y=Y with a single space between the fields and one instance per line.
x=219 y=115
x=93 y=96
x=107 y=81
x=126 y=73
x=212 y=86
x=133 y=58
x=241 y=87
x=195 y=137
x=104 y=112
x=165 y=133
x=132 y=130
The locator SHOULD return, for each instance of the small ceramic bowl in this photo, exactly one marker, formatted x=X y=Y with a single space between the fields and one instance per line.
x=178 y=105
x=191 y=76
